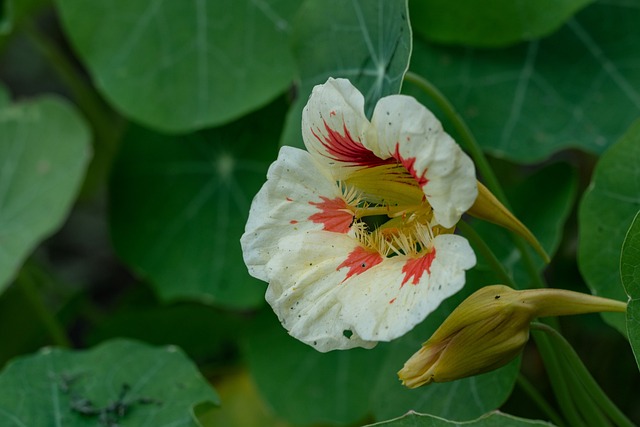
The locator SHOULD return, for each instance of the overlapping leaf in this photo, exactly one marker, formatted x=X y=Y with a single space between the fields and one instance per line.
x=606 y=210
x=118 y=383
x=495 y=419
x=179 y=206
x=490 y=23
x=576 y=88
x=44 y=151
x=180 y=66
x=630 y=274
x=368 y=42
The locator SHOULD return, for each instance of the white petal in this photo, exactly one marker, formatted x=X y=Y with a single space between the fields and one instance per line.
x=382 y=308
x=404 y=129
x=333 y=122
x=305 y=287
x=284 y=205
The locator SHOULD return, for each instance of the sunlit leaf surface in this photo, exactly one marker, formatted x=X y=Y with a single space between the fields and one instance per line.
x=368 y=42
x=184 y=65
x=44 y=151
x=606 y=211
x=118 y=383
x=576 y=88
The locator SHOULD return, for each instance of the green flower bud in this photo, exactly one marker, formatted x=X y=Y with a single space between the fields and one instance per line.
x=489 y=329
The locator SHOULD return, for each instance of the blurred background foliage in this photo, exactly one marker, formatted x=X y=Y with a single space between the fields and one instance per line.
x=133 y=136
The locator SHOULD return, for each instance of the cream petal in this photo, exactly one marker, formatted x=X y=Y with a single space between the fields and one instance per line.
x=305 y=287
x=289 y=203
x=404 y=129
x=383 y=305
x=333 y=122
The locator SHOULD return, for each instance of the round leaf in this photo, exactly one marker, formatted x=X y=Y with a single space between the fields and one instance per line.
x=179 y=206
x=118 y=383
x=183 y=65
x=495 y=419
x=630 y=274
x=44 y=152
x=576 y=88
x=490 y=23
x=368 y=42
x=607 y=207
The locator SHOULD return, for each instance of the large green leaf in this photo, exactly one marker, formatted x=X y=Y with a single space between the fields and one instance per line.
x=179 y=206
x=118 y=383
x=368 y=42
x=183 y=65
x=341 y=387
x=44 y=151
x=606 y=210
x=490 y=23
x=494 y=419
x=630 y=274
x=576 y=88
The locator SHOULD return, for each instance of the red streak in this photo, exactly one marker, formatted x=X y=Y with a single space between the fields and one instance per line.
x=334 y=214
x=343 y=148
x=417 y=266
x=360 y=260
x=409 y=164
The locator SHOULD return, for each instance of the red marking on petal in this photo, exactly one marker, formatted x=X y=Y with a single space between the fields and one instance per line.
x=392 y=301
x=415 y=267
x=332 y=113
x=360 y=260
x=335 y=214
x=289 y=199
x=343 y=148
x=409 y=164
x=293 y=221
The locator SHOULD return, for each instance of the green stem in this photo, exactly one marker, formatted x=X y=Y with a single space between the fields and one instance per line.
x=51 y=324
x=591 y=386
x=479 y=243
x=539 y=400
x=558 y=381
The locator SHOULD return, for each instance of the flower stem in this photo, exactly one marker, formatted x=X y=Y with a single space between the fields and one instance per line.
x=587 y=381
x=472 y=235
x=539 y=400
x=52 y=325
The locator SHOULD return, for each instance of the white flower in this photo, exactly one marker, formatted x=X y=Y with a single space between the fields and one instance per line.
x=355 y=236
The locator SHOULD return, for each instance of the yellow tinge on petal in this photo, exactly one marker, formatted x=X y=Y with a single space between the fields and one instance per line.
x=489 y=329
x=489 y=208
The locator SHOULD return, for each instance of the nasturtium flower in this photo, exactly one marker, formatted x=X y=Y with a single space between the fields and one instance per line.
x=355 y=236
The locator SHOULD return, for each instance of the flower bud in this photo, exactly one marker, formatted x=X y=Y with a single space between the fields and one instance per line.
x=489 y=329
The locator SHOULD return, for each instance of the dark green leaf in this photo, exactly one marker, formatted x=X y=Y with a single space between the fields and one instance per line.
x=495 y=419
x=630 y=274
x=490 y=23
x=181 y=66
x=577 y=88
x=368 y=42
x=124 y=382
x=179 y=206
x=44 y=151
x=606 y=210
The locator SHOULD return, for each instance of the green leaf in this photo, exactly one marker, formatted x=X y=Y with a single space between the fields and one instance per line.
x=179 y=205
x=630 y=274
x=494 y=419
x=12 y=12
x=543 y=202
x=490 y=23
x=342 y=387
x=607 y=207
x=44 y=152
x=180 y=66
x=154 y=386
x=576 y=88
x=368 y=42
